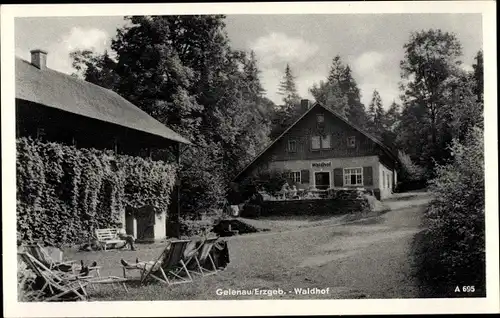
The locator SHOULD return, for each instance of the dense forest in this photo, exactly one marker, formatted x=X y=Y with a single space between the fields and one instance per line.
x=183 y=71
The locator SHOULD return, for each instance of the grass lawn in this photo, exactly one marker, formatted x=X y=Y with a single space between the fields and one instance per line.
x=369 y=259
x=265 y=261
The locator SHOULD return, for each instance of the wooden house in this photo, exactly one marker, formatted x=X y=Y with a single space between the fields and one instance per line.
x=323 y=150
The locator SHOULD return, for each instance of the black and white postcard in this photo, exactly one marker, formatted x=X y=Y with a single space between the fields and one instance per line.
x=249 y=158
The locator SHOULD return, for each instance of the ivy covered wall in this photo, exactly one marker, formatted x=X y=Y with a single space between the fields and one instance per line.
x=64 y=193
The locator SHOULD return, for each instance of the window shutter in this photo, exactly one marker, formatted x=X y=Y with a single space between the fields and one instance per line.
x=338 y=177
x=304 y=176
x=367 y=176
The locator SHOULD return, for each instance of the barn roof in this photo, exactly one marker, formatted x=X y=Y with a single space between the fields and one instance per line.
x=64 y=92
x=384 y=147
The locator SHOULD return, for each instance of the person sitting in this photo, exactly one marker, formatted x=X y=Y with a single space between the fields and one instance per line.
x=284 y=190
x=293 y=192
x=129 y=239
x=84 y=270
x=142 y=265
x=145 y=265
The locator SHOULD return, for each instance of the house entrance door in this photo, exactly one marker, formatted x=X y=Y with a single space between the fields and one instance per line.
x=322 y=180
x=145 y=224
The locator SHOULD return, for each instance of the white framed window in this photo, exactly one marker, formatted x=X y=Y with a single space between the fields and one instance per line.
x=383 y=179
x=292 y=145
x=320 y=142
x=315 y=142
x=353 y=176
x=295 y=176
x=325 y=142
x=351 y=141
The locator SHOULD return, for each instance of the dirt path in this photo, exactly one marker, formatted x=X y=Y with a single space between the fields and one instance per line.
x=372 y=259
x=362 y=259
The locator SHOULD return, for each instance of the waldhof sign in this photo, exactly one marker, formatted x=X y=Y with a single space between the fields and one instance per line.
x=321 y=164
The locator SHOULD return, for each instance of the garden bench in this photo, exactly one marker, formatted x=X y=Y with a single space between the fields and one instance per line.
x=107 y=237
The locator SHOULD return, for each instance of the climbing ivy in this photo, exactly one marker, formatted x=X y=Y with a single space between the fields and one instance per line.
x=65 y=193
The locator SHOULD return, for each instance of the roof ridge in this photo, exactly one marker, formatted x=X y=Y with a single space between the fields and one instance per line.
x=76 y=78
x=111 y=95
x=316 y=103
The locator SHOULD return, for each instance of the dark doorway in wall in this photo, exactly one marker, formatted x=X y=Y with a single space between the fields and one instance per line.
x=322 y=180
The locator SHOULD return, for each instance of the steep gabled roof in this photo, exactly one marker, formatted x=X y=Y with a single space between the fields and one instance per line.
x=61 y=91
x=317 y=104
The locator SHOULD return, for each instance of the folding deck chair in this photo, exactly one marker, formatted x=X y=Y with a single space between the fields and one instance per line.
x=204 y=257
x=169 y=263
x=56 y=285
x=41 y=254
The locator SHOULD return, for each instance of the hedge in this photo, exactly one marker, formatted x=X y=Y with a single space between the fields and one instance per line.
x=64 y=192
x=451 y=251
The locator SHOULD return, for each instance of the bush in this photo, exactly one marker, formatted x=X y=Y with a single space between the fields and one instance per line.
x=454 y=247
x=411 y=176
x=205 y=223
x=25 y=281
x=268 y=181
x=202 y=186
x=64 y=193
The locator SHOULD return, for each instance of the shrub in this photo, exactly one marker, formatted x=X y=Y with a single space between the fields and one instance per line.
x=25 y=280
x=204 y=223
x=454 y=248
x=269 y=181
x=411 y=176
x=409 y=170
x=64 y=193
x=202 y=186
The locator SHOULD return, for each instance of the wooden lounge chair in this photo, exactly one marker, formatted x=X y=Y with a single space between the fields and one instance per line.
x=204 y=257
x=41 y=254
x=55 y=285
x=93 y=281
x=169 y=263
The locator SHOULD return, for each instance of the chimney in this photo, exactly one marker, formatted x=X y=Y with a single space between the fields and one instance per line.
x=39 y=58
x=305 y=104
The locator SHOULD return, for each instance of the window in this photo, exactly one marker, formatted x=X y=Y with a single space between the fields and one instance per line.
x=351 y=142
x=353 y=176
x=325 y=142
x=320 y=142
x=383 y=179
x=388 y=181
x=315 y=142
x=292 y=146
x=320 y=118
x=294 y=176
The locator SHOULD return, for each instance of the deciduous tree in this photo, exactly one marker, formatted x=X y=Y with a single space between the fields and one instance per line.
x=431 y=57
x=182 y=71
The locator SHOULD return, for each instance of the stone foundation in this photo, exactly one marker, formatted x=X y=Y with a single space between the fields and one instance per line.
x=338 y=202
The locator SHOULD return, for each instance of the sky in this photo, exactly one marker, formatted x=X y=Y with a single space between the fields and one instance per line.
x=371 y=44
